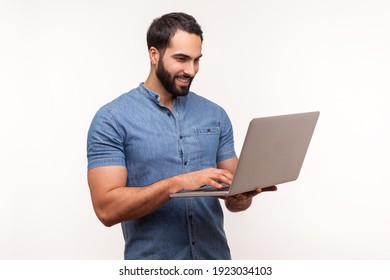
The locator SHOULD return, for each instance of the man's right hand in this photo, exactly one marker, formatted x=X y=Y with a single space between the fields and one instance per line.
x=213 y=177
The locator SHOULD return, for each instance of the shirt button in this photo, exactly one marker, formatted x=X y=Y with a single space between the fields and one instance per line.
x=181 y=137
x=185 y=163
x=193 y=243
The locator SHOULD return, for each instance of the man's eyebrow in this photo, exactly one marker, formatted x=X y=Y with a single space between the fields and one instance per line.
x=182 y=55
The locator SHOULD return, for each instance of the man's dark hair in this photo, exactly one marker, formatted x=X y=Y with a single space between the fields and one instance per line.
x=164 y=28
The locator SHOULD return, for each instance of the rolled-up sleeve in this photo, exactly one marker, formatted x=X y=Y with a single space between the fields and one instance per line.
x=226 y=144
x=105 y=141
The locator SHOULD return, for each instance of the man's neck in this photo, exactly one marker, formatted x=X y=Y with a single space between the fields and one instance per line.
x=166 y=99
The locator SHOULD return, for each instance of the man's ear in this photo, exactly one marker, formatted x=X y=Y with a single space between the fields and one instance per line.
x=154 y=56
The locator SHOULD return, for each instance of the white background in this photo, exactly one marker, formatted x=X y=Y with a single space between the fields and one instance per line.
x=61 y=60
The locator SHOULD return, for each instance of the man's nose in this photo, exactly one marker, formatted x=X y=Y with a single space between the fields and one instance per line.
x=191 y=68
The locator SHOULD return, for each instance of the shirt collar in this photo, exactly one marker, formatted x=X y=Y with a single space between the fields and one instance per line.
x=155 y=97
x=150 y=94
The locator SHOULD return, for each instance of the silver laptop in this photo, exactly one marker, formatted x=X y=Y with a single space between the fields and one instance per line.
x=273 y=153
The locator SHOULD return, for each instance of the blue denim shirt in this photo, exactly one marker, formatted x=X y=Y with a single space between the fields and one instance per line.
x=154 y=143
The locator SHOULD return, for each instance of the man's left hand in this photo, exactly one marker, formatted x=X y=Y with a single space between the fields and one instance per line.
x=242 y=201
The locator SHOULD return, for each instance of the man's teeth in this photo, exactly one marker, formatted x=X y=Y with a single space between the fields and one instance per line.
x=183 y=79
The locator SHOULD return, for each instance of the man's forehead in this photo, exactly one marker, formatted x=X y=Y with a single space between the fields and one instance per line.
x=185 y=43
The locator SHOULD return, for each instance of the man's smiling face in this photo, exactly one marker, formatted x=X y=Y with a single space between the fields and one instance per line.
x=179 y=64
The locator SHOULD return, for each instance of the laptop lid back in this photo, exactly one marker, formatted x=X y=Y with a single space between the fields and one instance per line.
x=273 y=151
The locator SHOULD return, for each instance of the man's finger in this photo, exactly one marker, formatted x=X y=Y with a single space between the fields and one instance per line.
x=269 y=189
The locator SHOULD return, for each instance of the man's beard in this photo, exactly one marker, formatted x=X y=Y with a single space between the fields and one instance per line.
x=168 y=81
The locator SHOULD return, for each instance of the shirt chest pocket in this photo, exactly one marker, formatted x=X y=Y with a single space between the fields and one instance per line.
x=206 y=144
